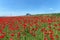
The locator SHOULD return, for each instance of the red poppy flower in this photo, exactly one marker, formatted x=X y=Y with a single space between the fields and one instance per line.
x=11 y=28
x=24 y=26
x=2 y=35
x=57 y=36
x=30 y=32
x=58 y=29
x=2 y=27
x=45 y=32
x=34 y=34
x=45 y=38
x=12 y=34
x=50 y=31
x=49 y=26
x=17 y=27
x=51 y=36
x=33 y=29
x=55 y=25
x=36 y=29
x=11 y=38
x=43 y=29
x=49 y=20
x=0 y=31
x=18 y=35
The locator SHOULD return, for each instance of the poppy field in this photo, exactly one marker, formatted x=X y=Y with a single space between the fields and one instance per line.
x=42 y=27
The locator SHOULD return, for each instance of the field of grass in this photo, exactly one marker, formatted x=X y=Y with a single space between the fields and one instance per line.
x=39 y=27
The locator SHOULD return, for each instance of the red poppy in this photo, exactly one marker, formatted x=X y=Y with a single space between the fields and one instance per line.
x=49 y=26
x=50 y=31
x=55 y=25
x=59 y=24
x=30 y=32
x=17 y=27
x=0 y=31
x=34 y=34
x=2 y=35
x=43 y=29
x=11 y=28
x=45 y=32
x=3 y=26
x=51 y=36
x=58 y=29
x=12 y=34
x=33 y=29
x=18 y=35
x=45 y=38
x=57 y=36
x=11 y=38
x=36 y=29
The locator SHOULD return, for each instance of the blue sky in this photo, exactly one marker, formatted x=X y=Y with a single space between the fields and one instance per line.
x=21 y=7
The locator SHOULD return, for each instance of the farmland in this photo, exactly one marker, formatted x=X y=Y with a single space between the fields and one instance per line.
x=43 y=27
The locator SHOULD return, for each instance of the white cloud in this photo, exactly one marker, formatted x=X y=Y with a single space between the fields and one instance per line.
x=51 y=8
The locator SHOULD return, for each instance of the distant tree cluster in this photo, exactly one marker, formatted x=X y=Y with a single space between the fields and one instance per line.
x=28 y=14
